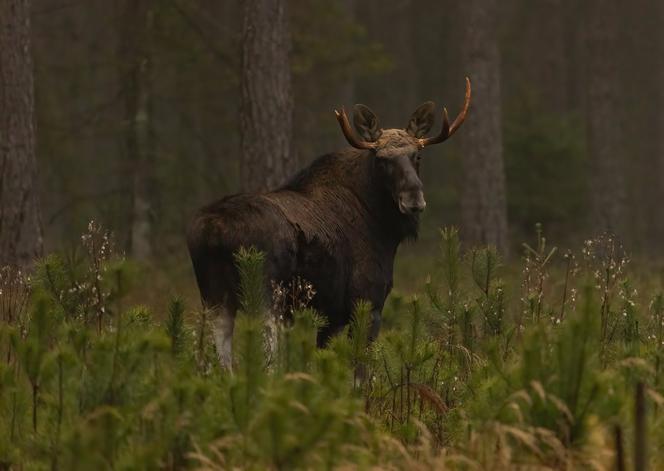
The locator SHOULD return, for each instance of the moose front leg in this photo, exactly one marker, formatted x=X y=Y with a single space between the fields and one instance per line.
x=374 y=324
x=374 y=291
x=374 y=329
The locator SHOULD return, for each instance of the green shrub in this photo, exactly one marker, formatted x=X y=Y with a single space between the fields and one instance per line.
x=460 y=376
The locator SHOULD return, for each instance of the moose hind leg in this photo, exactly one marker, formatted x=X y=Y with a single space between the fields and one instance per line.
x=223 y=322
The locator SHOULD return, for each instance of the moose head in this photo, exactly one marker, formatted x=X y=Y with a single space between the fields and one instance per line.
x=397 y=151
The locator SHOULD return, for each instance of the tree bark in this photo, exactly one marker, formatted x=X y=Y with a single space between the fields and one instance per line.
x=658 y=54
x=394 y=95
x=20 y=218
x=607 y=185
x=483 y=200
x=266 y=115
x=348 y=85
x=641 y=71
x=139 y=135
x=546 y=55
x=399 y=91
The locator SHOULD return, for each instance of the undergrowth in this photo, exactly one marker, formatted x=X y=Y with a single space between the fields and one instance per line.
x=477 y=372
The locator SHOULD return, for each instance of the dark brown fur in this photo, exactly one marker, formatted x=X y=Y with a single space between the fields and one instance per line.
x=335 y=224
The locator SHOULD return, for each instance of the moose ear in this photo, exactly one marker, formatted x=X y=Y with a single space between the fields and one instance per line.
x=366 y=123
x=422 y=120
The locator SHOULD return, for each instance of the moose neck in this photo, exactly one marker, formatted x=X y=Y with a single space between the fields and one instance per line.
x=353 y=185
x=363 y=178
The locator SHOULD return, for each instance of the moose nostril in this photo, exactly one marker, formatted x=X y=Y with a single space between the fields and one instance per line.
x=412 y=204
x=419 y=207
x=414 y=208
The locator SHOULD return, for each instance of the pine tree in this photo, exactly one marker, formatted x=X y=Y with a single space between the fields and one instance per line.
x=20 y=216
x=483 y=194
x=266 y=116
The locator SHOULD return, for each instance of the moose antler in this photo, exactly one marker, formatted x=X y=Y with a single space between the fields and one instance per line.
x=448 y=130
x=351 y=137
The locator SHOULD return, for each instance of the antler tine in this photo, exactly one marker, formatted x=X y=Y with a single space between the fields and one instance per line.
x=446 y=123
x=462 y=116
x=352 y=139
x=447 y=130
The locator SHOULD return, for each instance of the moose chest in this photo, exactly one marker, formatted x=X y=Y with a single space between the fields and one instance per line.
x=343 y=272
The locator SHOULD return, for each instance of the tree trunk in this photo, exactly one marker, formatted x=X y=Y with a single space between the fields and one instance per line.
x=658 y=56
x=267 y=103
x=348 y=85
x=641 y=71
x=400 y=96
x=546 y=55
x=139 y=134
x=483 y=200
x=607 y=185
x=394 y=95
x=20 y=219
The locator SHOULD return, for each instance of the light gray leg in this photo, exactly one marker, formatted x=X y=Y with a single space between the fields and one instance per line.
x=272 y=334
x=223 y=322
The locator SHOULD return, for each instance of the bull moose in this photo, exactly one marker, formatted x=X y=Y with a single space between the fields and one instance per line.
x=337 y=223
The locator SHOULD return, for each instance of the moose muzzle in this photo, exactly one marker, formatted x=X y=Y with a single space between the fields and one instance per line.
x=412 y=202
